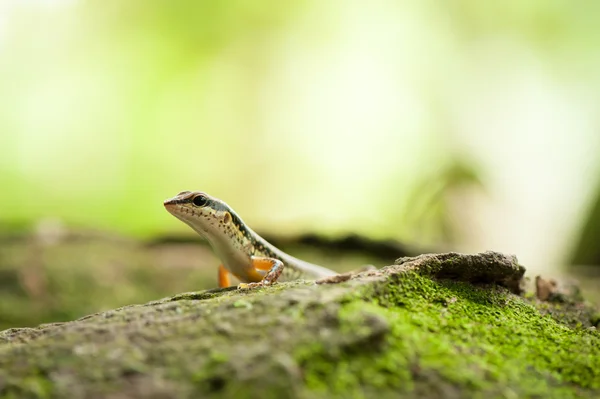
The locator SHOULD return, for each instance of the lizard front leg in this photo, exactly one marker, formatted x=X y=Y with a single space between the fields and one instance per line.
x=274 y=267
x=224 y=279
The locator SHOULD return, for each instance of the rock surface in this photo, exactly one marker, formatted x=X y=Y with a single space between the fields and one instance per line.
x=437 y=325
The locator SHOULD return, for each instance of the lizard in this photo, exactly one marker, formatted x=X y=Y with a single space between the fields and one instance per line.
x=243 y=253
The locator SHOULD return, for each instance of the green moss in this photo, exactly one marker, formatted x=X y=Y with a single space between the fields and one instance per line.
x=476 y=340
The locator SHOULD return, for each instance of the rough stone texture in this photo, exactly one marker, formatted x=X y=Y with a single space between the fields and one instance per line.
x=419 y=328
x=485 y=268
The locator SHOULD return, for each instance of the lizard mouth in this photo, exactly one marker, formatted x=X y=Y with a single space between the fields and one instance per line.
x=169 y=203
x=175 y=207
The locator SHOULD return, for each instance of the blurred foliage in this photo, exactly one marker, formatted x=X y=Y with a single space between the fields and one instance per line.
x=432 y=204
x=93 y=104
x=110 y=107
x=586 y=250
x=303 y=116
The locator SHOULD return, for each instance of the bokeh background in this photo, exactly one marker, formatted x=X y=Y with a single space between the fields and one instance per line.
x=458 y=125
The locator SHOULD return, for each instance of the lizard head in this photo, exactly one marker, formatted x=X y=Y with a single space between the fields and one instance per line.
x=208 y=216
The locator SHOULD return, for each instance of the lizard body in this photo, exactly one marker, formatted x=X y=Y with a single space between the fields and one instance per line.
x=243 y=253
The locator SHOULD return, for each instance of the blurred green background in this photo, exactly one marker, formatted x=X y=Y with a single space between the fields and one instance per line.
x=461 y=125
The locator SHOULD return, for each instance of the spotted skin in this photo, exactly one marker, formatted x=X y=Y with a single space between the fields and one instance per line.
x=245 y=254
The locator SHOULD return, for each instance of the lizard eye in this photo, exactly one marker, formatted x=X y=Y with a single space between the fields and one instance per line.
x=200 y=200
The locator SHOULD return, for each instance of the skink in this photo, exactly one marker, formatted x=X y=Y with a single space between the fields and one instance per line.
x=243 y=253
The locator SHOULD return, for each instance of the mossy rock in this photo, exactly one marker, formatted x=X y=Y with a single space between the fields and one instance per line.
x=431 y=326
